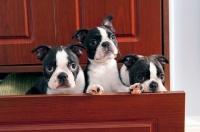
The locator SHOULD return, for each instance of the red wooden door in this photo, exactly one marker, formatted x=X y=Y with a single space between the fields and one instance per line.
x=113 y=112
x=24 y=24
x=137 y=23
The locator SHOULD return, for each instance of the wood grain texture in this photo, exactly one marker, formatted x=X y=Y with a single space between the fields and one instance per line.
x=14 y=22
x=128 y=126
x=166 y=40
x=16 y=27
x=40 y=15
x=147 y=111
x=137 y=23
x=20 y=69
x=67 y=20
x=142 y=28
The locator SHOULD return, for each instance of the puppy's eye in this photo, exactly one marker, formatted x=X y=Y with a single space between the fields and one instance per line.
x=162 y=76
x=93 y=42
x=112 y=36
x=140 y=77
x=49 y=68
x=72 y=66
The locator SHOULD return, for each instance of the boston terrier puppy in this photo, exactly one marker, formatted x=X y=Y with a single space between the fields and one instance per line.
x=144 y=72
x=101 y=73
x=61 y=70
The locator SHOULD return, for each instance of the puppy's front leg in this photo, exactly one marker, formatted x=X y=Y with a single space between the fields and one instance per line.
x=136 y=88
x=95 y=89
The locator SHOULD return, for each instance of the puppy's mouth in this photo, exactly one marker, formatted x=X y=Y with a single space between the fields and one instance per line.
x=63 y=85
x=108 y=51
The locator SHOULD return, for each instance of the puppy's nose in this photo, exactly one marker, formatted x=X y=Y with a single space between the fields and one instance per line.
x=105 y=44
x=62 y=76
x=153 y=86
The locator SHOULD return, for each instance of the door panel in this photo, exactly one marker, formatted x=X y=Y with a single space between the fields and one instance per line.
x=33 y=22
x=28 y=23
x=147 y=112
x=137 y=23
x=125 y=16
x=12 y=16
x=67 y=20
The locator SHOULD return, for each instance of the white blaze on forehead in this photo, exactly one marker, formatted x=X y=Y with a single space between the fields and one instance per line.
x=61 y=66
x=125 y=75
x=153 y=71
x=104 y=35
x=61 y=58
x=100 y=52
x=153 y=77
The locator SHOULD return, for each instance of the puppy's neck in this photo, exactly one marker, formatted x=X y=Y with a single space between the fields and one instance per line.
x=60 y=91
x=101 y=62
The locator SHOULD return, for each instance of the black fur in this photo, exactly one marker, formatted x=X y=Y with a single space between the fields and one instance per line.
x=48 y=57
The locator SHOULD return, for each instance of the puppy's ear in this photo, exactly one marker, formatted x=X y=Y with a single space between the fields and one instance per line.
x=41 y=51
x=108 y=23
x=129 y=59
x=162 y=59
x=80 y=34
x=77 y=49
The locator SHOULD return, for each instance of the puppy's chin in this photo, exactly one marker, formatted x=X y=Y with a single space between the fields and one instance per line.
x=61 y=86
x=147 y=89
x=105 y=55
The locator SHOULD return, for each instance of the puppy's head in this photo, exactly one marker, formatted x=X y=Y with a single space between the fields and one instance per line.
x=145 y=70
x=60 y=64
x=100 y=42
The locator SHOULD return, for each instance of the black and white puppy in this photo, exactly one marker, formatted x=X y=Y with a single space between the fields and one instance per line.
x=145 y=72
x=61 y=70
x=102 y=48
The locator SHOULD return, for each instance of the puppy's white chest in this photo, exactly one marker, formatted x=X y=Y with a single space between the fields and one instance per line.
x=104 y=75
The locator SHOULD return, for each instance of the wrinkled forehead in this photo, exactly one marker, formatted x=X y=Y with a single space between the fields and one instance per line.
x=59 y=55
x=98 y=31
x=143 y=63
x=93 y=32
x=71 y=56
x=156 y=62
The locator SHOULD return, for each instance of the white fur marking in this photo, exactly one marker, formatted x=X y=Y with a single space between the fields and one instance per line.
x=100 y=53
x=106 y=75
x=153 y=77
x=61 y=63
x=125 y=75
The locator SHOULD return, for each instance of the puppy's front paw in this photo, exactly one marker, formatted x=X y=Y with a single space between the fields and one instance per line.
x=136 y=88
x=95 y=90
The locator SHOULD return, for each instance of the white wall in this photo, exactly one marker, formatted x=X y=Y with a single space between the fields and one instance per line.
x=185 y=51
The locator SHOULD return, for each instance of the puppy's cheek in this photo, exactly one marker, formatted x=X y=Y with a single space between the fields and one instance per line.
x=161 y=87
x=72 y=84
x=145 y=86
x=115 y=49
x=53 y=81
x=71 y=79
x=99 y=53
x=53 y=84
x=164 y=89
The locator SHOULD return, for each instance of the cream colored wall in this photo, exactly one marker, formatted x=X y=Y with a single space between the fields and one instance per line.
x=185 y=51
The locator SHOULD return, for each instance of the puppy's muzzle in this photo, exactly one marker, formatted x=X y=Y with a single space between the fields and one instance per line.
x=105 y=44
x=153 y=86
x=62 y=77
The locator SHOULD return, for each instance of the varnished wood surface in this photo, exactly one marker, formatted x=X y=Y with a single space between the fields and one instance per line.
x=111 y=111
x=32 y=24
x=141 y=28
x=138 y=25
x=165 y=7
